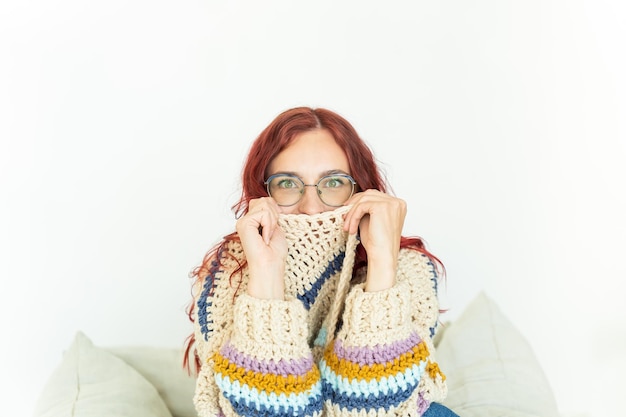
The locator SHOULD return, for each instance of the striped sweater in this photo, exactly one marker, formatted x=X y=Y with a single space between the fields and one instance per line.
x=329 y=348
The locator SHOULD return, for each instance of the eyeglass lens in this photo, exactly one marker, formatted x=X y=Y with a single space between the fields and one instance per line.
x=287 y=190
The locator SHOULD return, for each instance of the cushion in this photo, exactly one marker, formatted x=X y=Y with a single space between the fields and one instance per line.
x=490 y=367
x=93 y=382
x=163 y=368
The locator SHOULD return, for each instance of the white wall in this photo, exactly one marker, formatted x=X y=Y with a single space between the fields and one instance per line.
x=123 y=125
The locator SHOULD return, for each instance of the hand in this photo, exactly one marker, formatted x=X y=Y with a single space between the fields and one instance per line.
x=265 y=247
x=379 y=219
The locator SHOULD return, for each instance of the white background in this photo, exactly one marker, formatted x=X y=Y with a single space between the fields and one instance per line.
x=124 y=123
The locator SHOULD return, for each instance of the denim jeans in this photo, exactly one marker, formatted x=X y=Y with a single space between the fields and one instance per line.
x=438 y=410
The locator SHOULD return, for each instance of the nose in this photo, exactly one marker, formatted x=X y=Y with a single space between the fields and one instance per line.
x=310 y=202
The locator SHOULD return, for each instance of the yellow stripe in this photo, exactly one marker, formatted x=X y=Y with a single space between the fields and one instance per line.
x=278 y=384
x=433 y=370
x=351 y=370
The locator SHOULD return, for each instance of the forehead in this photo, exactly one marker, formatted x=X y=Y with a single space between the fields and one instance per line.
x=310 y=155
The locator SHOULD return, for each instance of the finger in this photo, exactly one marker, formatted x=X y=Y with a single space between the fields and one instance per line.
x=353 y=218
x=269 y=222
x=262 y=217
x=348 y=217
x=365 y=204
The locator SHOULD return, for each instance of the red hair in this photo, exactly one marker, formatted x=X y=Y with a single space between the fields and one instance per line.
x=272 y=140
x=282 y=131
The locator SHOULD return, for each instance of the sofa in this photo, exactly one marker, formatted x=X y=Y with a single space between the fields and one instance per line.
x=490 y=367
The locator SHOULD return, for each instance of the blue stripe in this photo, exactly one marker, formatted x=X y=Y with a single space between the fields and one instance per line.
x=248 y=401
x=385 y=386
x=252 y=409
x=366 y=402
x=435 y=280
x=204 y=302
x=308 y=298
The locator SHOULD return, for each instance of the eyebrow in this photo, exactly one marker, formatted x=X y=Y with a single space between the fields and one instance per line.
x=323 y=174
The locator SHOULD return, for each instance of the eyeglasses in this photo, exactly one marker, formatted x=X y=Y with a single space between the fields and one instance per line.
x=287 y=189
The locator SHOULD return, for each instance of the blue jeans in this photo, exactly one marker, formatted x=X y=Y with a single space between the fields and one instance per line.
x=438 y=410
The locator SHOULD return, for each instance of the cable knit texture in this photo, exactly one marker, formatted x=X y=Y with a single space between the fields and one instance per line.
x=330 y=348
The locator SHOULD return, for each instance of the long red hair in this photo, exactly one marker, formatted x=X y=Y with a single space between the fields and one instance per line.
x=272 y=140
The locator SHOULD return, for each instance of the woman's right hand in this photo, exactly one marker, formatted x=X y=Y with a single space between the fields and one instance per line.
x=265 y=247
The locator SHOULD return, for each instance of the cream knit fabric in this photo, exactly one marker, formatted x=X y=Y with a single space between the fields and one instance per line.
x=329 y=348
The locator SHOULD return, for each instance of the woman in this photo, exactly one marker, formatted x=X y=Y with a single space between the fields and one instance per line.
x=316 y=305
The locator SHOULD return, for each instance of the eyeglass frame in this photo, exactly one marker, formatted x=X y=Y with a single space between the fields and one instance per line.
x=316 y=185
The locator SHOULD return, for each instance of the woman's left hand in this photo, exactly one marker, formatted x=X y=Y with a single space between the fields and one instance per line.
x=379 y=219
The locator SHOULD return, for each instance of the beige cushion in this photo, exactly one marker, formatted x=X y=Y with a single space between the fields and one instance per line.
x=491 y=368
x=92 y=382
x=163 y=368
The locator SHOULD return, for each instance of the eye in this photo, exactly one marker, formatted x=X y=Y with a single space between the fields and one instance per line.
x=286 y=183
x=333 y=182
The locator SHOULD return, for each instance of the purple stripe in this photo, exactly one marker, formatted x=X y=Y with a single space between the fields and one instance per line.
x=377 y=354
x=282 y=367
x=422 y=404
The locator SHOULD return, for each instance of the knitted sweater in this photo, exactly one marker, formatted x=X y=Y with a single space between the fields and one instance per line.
x=329 y=348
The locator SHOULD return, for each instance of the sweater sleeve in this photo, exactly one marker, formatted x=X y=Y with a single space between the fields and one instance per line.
x=266 y=367
x=382 y=360
x=256 y=361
